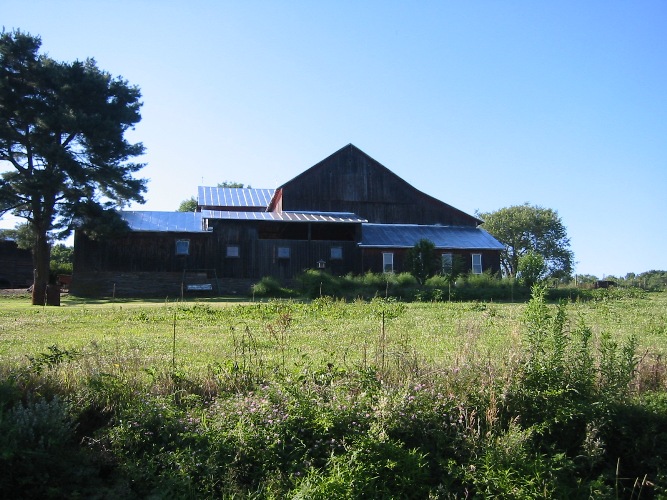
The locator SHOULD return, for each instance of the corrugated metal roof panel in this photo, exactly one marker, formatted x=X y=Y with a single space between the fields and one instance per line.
x=444 y=237
x=234 y=197
x=334 y=217
x=186 y=222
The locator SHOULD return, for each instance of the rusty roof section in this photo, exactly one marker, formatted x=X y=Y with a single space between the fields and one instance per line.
x=332 y=217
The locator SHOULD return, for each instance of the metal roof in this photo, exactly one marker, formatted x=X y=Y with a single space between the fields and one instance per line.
x=183 y=222
x=444 y=237
x=284 y=216
x=234 y=197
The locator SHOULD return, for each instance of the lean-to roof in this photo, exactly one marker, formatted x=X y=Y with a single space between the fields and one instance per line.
x=183 y=222
x=444 y=237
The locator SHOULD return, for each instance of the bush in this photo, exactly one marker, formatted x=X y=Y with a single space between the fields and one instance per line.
x=638 y=435
x=313 y=284
x=39 y=456
x=509 y=467
x=488 y=287
x=369 y=468
x=269 y=286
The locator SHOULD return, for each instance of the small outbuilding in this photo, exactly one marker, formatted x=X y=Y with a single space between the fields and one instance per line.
x=16 y=267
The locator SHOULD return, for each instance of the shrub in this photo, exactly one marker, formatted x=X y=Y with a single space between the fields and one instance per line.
x=313 y=284
x=532 y=269
x=421 y=260
x=438 y=281
x=39 y=457
x=405 y=280
x=269 y=286
x=369 y=468
x=488 y=287
x=509 y=467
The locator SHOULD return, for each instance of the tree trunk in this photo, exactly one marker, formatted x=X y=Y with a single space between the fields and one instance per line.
x=41 y=261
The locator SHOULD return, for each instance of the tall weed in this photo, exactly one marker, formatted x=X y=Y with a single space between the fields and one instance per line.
x=562 y=389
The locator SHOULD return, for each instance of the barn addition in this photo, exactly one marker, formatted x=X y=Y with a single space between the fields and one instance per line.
x=16 y=268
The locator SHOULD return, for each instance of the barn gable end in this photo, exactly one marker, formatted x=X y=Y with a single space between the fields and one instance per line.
x=350 y=180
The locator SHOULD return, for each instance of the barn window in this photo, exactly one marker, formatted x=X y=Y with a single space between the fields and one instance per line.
x=182 y=247
x=388 y=262
x=447 y=263
x=283 y=252
x=232 y=251
x=477 y=263
x=336 y=253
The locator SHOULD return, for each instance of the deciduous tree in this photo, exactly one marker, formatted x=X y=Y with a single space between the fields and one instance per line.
x=525 y=228
x=189 y=205
x=62 y=145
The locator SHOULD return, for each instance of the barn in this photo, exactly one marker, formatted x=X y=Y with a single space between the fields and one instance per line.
x=346 y=214
x=16 y=268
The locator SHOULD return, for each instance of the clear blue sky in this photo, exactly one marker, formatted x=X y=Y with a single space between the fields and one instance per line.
x=481 y=104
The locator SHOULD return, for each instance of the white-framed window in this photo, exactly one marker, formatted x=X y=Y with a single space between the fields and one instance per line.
x=182 y=247
x=447 y=263
x=232 y=251
x=283 y=252
x=336 y=253
x=388 y=262
x=477 y=263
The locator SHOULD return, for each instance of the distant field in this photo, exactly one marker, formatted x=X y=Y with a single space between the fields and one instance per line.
x=141 y=333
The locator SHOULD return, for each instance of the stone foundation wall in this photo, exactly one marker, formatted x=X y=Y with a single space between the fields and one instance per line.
x=158 y=284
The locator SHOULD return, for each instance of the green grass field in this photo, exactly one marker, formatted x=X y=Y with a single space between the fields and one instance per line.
x=212 y=331
x=327 y=399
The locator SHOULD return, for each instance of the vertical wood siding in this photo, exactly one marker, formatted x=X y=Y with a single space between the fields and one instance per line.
x=16 y=268
x=351 y=181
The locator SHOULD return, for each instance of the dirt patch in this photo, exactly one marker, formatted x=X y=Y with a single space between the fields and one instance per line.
x=14 y=291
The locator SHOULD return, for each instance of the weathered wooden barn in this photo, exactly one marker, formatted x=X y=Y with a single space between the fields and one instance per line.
x=346 y=214
x=16 y=268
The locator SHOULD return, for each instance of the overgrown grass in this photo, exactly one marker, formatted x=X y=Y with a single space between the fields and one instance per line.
x=330 y=399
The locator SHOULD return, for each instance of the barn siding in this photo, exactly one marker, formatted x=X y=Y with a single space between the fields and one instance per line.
x=143 y=251
x=372 y=259
x=259 y=257
x=126 y=263
x=351 y=181
x=16 y=267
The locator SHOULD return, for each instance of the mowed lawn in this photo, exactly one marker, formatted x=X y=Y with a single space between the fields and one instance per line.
x=196 y=335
